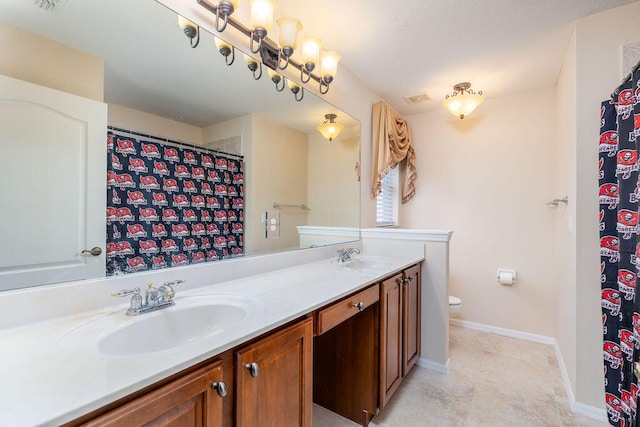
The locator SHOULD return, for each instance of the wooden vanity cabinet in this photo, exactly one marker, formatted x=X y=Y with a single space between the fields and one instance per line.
x=274 y=378
x=190 y=400
x=345 y=356
x=399 y=329
x=411 y=318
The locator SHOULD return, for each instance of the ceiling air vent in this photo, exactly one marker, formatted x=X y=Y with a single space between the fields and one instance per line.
x=46 y=4
x=416 y=99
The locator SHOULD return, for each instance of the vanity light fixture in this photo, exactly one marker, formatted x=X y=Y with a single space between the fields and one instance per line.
x=225 y=50
x=276 y=56
x=225 y=8
x=261 y=21
x=310 y=57
x=276 y=78
x=254 y=66
x=296 y=89
x=191 y=30
x=328 y=69
x=289 y=29
x=329 y=128
x=463 y=100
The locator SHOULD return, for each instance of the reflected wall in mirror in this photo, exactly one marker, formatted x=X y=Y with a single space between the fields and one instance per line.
x=135 y=58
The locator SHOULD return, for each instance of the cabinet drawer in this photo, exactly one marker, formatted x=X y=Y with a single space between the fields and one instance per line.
x=342 y=310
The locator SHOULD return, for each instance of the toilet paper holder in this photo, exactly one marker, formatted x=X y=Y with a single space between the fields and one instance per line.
x=506 y=277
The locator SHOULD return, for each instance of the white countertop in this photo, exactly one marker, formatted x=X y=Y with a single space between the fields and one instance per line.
x=47 y=382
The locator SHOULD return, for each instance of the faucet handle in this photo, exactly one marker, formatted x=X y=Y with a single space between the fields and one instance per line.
x=126 y=292
x=167 y=288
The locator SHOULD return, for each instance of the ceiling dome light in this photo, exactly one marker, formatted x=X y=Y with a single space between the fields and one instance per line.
x=463 y=100
x=329 y=128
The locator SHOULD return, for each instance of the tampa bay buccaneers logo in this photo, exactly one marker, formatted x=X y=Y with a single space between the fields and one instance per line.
x=627 y=163
x=627 y=223
x=609 y=143
x=609 y=195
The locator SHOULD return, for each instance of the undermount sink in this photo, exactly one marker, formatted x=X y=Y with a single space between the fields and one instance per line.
x=367 y=263
x=192 y=317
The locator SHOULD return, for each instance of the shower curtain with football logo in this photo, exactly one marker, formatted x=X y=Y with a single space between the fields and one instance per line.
x=619 y=198
x=170 y=206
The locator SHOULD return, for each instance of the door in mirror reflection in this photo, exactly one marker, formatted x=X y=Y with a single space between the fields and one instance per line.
x=54 y=159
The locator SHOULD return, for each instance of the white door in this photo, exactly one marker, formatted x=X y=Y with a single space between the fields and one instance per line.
x=53 y=189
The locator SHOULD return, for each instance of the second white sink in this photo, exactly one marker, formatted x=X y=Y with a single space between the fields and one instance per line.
x=367 y=263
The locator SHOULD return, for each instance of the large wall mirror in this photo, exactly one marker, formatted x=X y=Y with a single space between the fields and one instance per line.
x=154 y=83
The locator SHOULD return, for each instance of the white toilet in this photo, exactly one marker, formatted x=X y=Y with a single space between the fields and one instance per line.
x=455 y=304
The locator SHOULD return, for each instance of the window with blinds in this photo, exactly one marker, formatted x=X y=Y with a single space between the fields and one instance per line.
x=387 y=201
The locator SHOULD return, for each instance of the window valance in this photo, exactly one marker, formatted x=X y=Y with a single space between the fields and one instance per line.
x=392 y=143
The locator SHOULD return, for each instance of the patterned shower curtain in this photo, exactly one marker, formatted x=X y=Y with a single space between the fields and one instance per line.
x=169 y=206
x=620 y=248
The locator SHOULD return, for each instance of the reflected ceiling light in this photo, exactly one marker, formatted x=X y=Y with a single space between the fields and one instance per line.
x=329 y=128
x=191 y=30
x=276 y=56
x=463 y=100
x=276 y=78
x=225 y=50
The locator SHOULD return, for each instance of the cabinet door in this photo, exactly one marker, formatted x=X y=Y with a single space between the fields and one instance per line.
x=390 y=337
x=188 y=401
x=411 y=318
x=274 y=379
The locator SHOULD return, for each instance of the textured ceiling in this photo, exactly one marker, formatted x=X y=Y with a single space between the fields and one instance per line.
x=410 y=47
x=398 y=49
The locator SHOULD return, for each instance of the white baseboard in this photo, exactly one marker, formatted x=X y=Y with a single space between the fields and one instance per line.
x=589 y=411
x=438 y=367
x=577 y=407
x=503 y=331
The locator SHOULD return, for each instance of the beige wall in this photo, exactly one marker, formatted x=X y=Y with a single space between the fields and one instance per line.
x=355 y=99
x=334 y=190
x=67 y=69
x=564 y=216
x=488 y=177
x=282 y=179
x=277 y=155
x=139 y=121
x=599 y=41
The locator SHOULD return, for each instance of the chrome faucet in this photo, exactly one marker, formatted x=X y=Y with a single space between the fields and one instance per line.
x=345 y=254
x=154 y=299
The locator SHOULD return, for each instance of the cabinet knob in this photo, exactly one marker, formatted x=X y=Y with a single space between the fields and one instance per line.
x=410 y=278
x=252 y=368
x=220 y=387
x=359 y=306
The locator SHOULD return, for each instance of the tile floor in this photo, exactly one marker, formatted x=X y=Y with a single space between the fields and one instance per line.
x=492 y=381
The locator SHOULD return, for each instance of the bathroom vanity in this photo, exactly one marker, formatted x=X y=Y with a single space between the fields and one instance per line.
x=259 y=367
x=364 y=345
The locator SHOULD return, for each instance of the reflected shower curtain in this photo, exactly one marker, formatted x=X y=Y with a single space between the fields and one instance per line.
x=620 y=248
x=170 y=206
